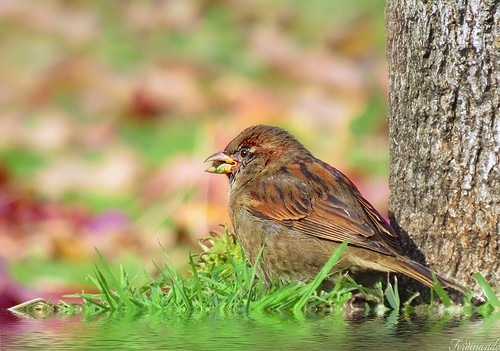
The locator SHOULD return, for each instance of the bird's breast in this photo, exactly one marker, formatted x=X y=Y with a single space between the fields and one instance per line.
x=249 y=231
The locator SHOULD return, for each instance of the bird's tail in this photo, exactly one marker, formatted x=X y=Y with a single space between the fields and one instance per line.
x=422 y=274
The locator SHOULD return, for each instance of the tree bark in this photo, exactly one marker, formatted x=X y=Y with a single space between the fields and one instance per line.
x=444 y=101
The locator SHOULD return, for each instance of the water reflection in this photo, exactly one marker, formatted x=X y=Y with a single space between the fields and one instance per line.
x=257 y=332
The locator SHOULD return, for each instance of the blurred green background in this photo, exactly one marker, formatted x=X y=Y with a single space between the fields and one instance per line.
x=108 y=109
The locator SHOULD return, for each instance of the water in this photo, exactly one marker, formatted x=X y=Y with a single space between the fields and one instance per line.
x=260 y=332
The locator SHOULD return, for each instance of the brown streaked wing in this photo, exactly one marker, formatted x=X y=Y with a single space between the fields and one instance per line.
x=288 y=201
x=385 y=229
x=273 y=199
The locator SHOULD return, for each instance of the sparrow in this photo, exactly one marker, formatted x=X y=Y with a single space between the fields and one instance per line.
x=299 y=209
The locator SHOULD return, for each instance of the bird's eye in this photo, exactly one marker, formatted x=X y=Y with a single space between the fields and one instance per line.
x=244 y=152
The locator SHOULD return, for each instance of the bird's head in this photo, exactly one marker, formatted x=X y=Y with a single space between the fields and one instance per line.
x=256 y=150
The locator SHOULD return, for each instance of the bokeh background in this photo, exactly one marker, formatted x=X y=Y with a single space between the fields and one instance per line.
x=108 y=109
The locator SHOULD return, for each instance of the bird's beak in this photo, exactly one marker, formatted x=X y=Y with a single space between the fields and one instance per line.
x=221 y=163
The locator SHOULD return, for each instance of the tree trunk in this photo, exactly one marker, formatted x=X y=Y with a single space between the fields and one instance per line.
x=444 y=101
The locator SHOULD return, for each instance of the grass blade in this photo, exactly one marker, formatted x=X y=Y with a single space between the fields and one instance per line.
x=196 y=279
x=443 y=296
x=122 y=294
x=488 y=291
x=392 y=294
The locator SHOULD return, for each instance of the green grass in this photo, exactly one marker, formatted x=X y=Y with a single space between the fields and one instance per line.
x=231 y=287
x=223 y=282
